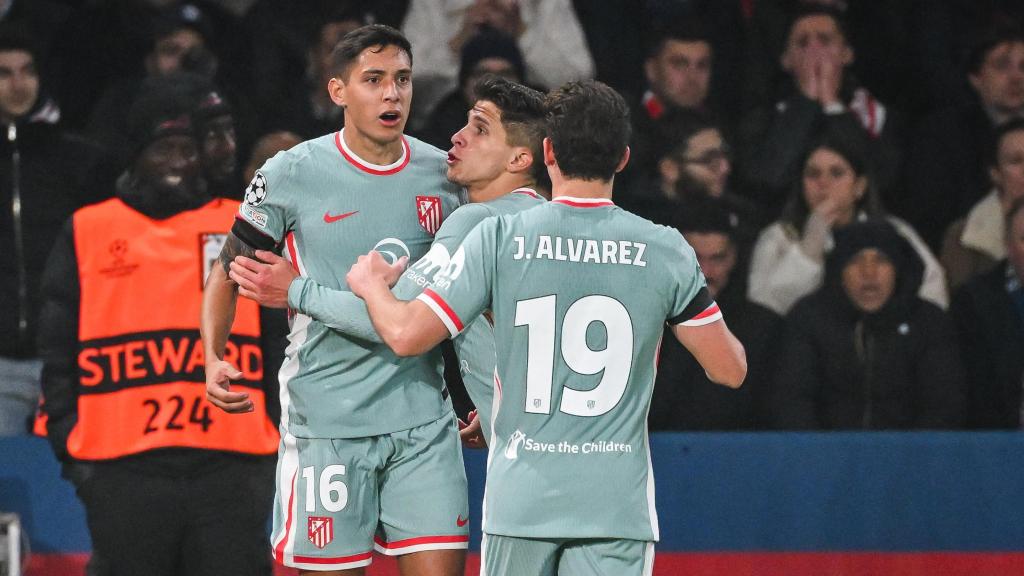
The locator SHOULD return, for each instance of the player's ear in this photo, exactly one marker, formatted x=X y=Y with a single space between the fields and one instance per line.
x=623 y=161
x=336 y=89
x=549 y=153
x=521 y=160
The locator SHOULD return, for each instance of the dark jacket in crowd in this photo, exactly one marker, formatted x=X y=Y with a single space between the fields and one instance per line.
x=991 y=329
x=774 y=139
x=684 y=397
x=945 y=172
x=841 y=368
x=50 y=173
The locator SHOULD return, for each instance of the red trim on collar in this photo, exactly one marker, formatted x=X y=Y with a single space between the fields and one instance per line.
x=362 y=165
x=528 y=192
x=579 y=203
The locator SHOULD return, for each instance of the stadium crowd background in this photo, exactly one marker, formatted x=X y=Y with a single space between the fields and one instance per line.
x=851 y=173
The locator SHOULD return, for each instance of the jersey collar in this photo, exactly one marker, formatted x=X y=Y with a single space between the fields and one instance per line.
x=582 y=202
x=369 y=168
x=528 y=192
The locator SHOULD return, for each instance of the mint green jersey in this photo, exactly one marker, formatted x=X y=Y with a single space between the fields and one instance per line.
x=342 y=310
x=326 y=207
x=580 y=291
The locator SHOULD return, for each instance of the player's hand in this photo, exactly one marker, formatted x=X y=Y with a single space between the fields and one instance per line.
x=372 y=272
x=472 y=434
x=265 y=282
x=219 y=375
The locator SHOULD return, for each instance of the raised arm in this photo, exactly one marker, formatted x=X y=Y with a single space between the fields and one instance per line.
x=717 y=350
x=409 y=328
x=218 y=314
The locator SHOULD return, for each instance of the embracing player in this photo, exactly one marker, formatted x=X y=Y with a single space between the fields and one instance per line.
x=496 y=156
x=579 y=291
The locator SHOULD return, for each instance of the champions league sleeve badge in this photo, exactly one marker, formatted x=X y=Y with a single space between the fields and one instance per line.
x=256 y=192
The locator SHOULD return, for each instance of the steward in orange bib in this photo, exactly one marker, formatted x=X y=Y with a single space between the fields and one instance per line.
x=170 y=485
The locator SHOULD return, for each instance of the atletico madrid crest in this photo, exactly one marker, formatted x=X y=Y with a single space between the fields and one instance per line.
x=428 y=210
x=321 y=531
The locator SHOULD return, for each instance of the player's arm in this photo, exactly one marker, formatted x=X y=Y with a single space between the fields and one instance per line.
x=410 y=327
x=716 y=349
x=218 y=314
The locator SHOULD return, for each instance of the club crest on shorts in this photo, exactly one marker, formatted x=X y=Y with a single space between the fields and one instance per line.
x=256 y=192
x=321 y=531
x=428 y=210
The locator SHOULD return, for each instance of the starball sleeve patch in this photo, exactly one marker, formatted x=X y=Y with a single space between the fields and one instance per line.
x=256 y=192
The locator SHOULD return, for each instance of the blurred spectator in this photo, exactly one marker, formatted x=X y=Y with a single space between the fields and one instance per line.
x=109 y=41
x=678 y=74
x=265 y=148
x=308 y=110
x=975 y=244
x=864 y=352
x=547 y=31
x=819 y=91
x=125 y=410
x=44 y=174
x=989 y=313
x=693 y=162
x=684 y=398
x=177 y=33
x=945 y=171
x=40 y=20
x=489 y=52
x=214 y=126
x=835 y=190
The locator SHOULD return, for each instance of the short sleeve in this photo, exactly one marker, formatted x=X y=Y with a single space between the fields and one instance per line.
x=692 y=303
x=462 y=290
x=262 y=218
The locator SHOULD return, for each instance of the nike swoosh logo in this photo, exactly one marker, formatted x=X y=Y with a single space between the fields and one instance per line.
x=460 y=522
x=332 y=219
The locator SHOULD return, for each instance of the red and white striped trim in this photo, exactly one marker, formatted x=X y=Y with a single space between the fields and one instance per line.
x=528 y=192
x=370 y=168
x=410 y=545
x=443 y=310
x=583 y=202
x=316 y=563
x=710 y=314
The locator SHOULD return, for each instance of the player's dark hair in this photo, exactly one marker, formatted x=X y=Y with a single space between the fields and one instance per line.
x=588 y=124
x=1000 y=134
x=376 y=36
x=522 y=116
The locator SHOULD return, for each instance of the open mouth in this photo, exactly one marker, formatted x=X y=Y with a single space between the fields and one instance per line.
x=452 y=158
x=172 y=180
x=390 y=117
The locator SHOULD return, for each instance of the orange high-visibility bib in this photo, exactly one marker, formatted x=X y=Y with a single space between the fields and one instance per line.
x=141 y=363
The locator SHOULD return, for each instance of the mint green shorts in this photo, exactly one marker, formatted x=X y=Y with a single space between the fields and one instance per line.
x=338 y=500
x=512 y=556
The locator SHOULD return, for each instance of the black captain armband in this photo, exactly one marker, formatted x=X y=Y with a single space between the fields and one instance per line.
x=244 y=240
x=697 y=306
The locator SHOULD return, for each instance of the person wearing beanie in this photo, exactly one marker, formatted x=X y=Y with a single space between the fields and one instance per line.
x=490 y=51
x=684 y=397
x=124 y=406
x=214 y=126
x=45 y=175
x=864 y=351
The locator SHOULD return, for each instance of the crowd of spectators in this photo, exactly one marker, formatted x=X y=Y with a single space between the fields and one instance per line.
x=850 y=173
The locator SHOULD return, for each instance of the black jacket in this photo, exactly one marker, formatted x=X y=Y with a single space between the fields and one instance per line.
x=992 y=340
x=51 y=172
x=685 y=399
x=841 y=368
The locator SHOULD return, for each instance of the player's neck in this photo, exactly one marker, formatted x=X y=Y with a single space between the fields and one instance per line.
x=370 y=150
x=498 y=187
x=582 y=189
